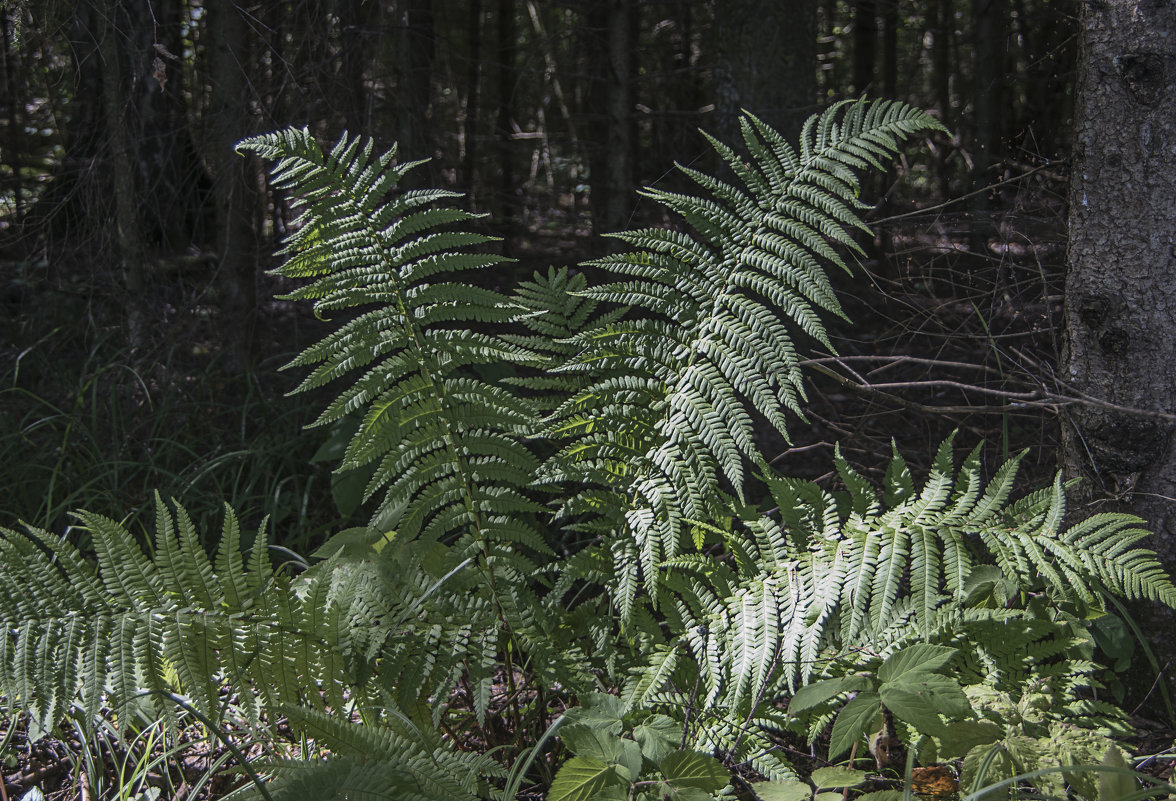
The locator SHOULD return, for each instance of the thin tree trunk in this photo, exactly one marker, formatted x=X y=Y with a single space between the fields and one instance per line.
x=354 y=56
x=469 y=159
x=1121 y=286
x=233 y=176
x=610 y=100
x=507 y=78
x=130 y=239
x=865 y=42
x=766 y=62
x=14 y=145
x=890 y=48
x=988 y=59
x=415 y=81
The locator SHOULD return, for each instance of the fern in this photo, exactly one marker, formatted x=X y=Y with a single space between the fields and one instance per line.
x=132 y=631
x=391 y=759
x=634 y=404
x=665 y=398
x=823 y=579
x=447 y=446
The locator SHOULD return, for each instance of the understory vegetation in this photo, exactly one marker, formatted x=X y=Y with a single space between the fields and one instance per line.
x=579 y=574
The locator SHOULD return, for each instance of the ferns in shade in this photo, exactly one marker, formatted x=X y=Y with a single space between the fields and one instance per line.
x=634 y=404
x=133 y=630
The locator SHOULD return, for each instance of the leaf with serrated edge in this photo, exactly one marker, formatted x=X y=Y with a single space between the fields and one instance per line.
x=658 y=735
x=782 y=791
x=921 y=656
x=692 y=769
x=580 y=778
x=913 y=703
x=835 y=778
x=855 y=719
x=819 y=692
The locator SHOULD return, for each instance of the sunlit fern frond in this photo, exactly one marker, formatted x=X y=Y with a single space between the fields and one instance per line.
x=671 y=392
x=446 y=445
x=823 y=575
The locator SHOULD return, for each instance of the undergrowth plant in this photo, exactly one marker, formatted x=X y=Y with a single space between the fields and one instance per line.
x=569 y=502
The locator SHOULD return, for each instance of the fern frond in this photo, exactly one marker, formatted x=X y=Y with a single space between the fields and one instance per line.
x=387 y=758
x=132 y=628
x=707 y=345
x=445 y=444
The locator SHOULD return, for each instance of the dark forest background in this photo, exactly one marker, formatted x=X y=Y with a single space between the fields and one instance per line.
x=141 y=339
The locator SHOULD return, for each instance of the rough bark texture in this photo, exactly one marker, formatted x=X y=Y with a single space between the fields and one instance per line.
x=1121 y=286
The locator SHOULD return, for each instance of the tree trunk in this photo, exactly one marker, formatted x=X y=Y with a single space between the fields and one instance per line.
x=989 y=18
x=129 y=237
x=469 y=159
x=414 y=84
x=890 y=48
x=865 y=45
x=233 y=177
x=766 y=62
x=1121 y=285
x=610 y=99
x=504 y=126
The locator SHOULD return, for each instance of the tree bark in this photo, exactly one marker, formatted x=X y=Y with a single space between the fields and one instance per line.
x=504 y=124
x=989 y=18
x=865 y=45
x=129 y=237
x=233 y=177
x=766 y=63
x=469 y=159
x=610 y=99
x=890 y=48
x=1121 y=285
x=416 y=54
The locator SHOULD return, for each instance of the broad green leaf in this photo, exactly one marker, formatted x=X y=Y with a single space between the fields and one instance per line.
x=897 y=484
x=685 y=793
x=782 y=791
x=946 y=694
x=628 y=761
x=1114 y=638
x=853 y=721
x=958 y=738
x=590 y=741
x=836 y=778
x=881 y=795
x=692 y=769
x=827 y=797
x=819 y=692
x=599 y=710
x=914 y=703
x=984 y=766
x=987 y=587
x=580 y=779
x=658 y=735
x=921 y=657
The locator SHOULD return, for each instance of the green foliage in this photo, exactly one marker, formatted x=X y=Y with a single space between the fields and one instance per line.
x=662 y=401
x=648 y=764
x=910 y=684
x=569 y=484
x=132 y=630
